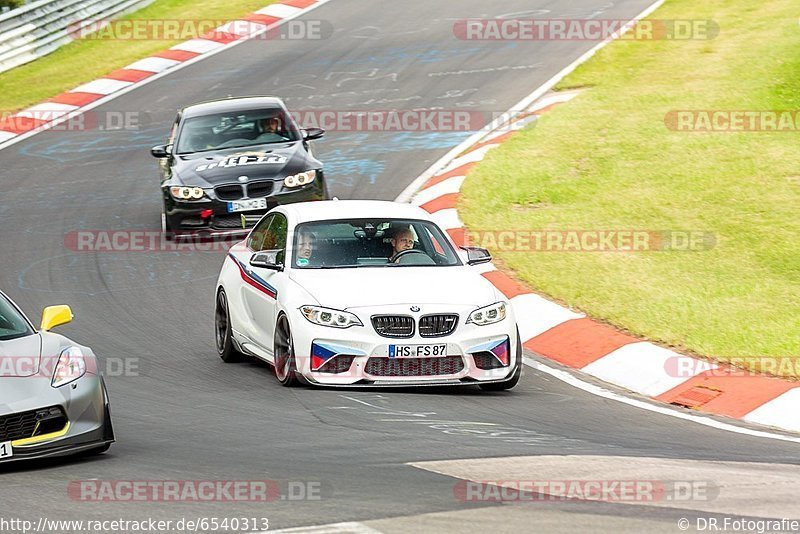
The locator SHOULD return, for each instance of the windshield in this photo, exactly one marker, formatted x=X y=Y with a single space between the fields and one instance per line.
x=348 y=243
x=236 y=130
x=12 y=323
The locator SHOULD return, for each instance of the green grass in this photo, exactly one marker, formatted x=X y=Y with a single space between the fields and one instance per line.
x=606 y=160
x=84 y=60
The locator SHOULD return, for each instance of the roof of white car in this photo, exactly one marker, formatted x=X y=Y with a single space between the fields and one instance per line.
x=355 y=209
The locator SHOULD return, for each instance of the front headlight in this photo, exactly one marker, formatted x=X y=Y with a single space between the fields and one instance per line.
x=303 y=178
x=493 y=313
x=70 y=367
x=330 y=317
x=187 y=193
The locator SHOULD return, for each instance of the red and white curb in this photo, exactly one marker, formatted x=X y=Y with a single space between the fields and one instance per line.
x=72 y=103
x=576 y=341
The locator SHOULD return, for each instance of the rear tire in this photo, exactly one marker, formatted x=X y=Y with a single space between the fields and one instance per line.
x=511 y=382
x=223 y=332
x=284 y=364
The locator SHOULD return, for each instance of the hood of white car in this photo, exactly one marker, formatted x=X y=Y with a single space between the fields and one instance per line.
x=377 y=286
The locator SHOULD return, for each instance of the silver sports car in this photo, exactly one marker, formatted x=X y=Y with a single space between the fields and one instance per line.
x=53 y=400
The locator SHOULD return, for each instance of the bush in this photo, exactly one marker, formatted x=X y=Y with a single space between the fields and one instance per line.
x=11 y=3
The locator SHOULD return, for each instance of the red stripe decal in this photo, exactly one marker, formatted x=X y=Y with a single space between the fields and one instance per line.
x=247 y=278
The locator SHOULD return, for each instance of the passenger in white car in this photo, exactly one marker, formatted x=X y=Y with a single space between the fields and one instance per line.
x=306 y=242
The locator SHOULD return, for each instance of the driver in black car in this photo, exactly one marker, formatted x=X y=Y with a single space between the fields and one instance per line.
x=270 y=125
x=403 y=240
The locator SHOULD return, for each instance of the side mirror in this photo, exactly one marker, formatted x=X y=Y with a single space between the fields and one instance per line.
x=310 y=134
x=477 y=255
x=267 y=259
x=53 y=316
x=159 y=151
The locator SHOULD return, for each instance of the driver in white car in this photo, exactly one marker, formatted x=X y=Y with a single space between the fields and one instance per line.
x=403 y=240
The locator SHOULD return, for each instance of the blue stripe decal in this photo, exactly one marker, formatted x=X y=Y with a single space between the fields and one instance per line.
x=247 y=272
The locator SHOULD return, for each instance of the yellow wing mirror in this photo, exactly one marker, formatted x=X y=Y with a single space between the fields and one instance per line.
x=53 y=316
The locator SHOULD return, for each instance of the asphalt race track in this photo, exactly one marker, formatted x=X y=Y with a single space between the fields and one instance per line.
x=181 y=413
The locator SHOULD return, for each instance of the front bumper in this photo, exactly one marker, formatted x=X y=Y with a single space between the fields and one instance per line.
x=358 y=356
x=193 y=216
x=88 y=420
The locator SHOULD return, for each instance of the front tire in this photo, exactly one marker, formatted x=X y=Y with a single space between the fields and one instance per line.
x=284 y=364
x=223 y=332
x=514 y=380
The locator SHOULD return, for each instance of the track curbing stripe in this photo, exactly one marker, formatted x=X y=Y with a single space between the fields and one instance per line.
x=102 y=86
x=578 y=342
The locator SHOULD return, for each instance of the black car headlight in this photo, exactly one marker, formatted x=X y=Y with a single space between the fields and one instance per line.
x=296 y=180
x=182 y=192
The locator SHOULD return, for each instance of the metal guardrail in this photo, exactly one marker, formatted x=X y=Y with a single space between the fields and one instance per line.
x=38 y=28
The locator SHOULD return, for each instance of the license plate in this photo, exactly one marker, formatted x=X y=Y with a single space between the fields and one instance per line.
x=247 y=205
x=417 y=351
x=5 y=450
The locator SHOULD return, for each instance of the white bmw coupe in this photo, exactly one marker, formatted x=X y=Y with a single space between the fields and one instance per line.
x=364 y=293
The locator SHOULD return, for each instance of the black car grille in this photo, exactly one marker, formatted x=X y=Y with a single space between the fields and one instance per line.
x=33 y=423
x=393 y=325
x=486 y=360
x=259 y=189
x=240 y=191
x=447 y=365
x=229 y=192
x=437 y=325
x=338 y=364
x=233 y=220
